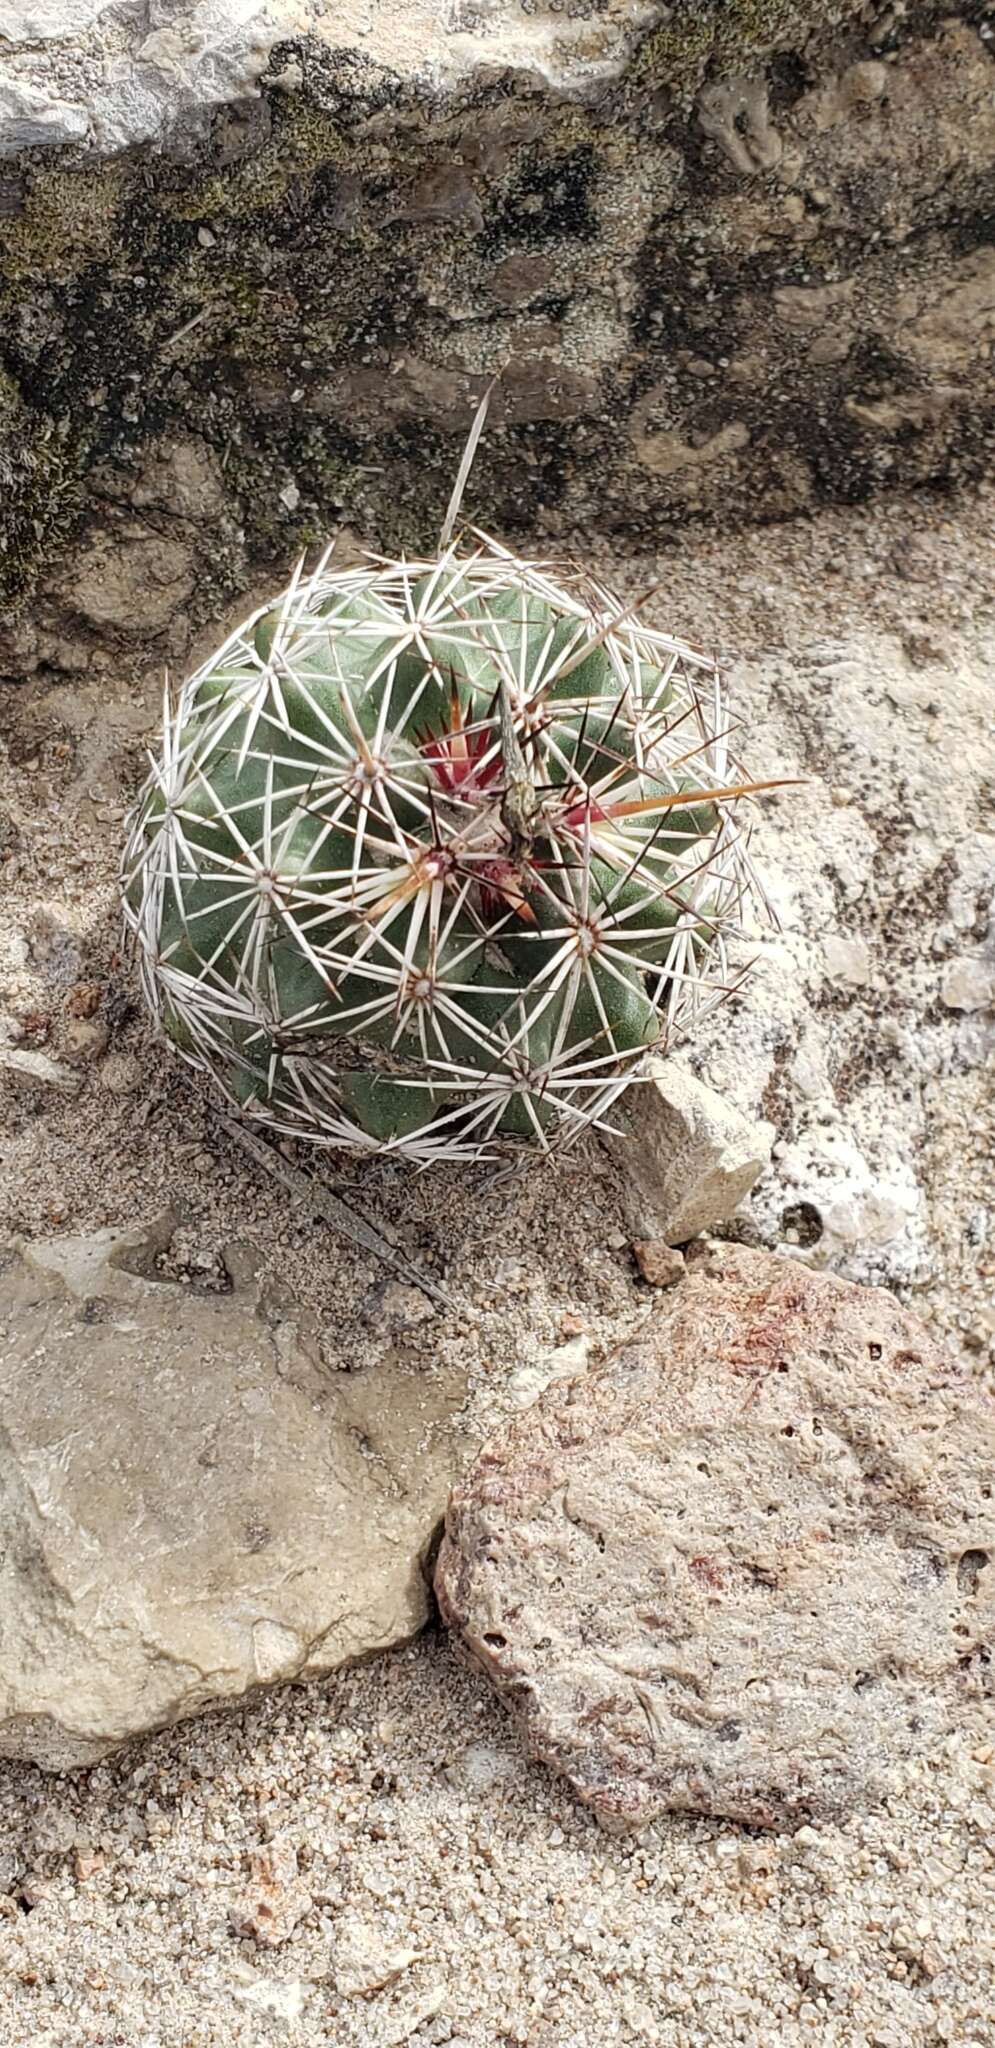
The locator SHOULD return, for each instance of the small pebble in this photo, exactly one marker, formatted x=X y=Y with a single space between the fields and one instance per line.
x=83 y=1000
x=85 y=1038
x=658 y=1262
x=120 y=1073
x=969 y=984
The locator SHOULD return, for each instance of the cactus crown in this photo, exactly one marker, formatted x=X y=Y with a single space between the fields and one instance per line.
x=435 y=853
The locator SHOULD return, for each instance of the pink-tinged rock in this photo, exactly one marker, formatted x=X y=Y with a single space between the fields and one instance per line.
x=274 y=1899
x=747 y=1565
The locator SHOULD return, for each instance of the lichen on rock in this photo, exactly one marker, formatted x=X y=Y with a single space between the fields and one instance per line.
x=732 y=266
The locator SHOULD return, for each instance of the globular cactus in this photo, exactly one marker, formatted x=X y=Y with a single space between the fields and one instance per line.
x=435 y=854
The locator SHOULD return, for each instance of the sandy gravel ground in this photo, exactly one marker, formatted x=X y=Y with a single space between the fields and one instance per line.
x=434 y=1862
x=404 y=1792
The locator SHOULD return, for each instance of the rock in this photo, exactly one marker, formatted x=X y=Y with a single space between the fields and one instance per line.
x=133 y=86
x=745 y=1567
x=121 y=1073
x=365 y=1961
x=190 y=1506
x=687 y=1158
x=809 y=306
x=35 y=1891
x=30 y=117
x=968 y=984
x=856 y=1210
x=415 y=2015
x=274 y=1899
x=42 y=23
x=519 y=280
x=280 y=1998
x=658 y=1262
x=136 y=584
x=20 y=654
x=847 y=961
x=186 y=477
x=665 y=453
x=961 y=319
x=85 y=998
x=37 y=1066
x=86 y=1038
x=736 y=115
x=444 y=193
x=481 y=1768
x=563 y=1362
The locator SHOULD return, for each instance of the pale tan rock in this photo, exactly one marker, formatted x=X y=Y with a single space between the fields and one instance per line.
x=686 y=1157
x=747 y=1565
x=365 y=1960
x=811 y=305
x=37 y=1066
x=190 y=1505
x=86 y=1038
x=667 y=452
x=969 y=983
x=847 y=960
x=948 y=335
x=120 y=1073
x=736 y=115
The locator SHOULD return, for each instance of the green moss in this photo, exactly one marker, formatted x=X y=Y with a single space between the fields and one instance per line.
x=39 y=488
x=725 y=33
x=305 y=139
x=70 y=217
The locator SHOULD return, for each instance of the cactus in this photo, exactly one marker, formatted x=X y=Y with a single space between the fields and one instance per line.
x=436 y=853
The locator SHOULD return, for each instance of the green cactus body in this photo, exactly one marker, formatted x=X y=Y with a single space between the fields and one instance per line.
x=380 y=922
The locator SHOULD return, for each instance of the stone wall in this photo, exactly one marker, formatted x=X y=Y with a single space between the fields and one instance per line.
x=256 y=266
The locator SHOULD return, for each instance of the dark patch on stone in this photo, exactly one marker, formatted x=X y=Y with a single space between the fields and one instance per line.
x=95 y=1310
x=801 y=1223
x=326 y=266
x=551 y=200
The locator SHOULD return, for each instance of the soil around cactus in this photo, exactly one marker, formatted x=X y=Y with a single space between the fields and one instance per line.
x=862 y=653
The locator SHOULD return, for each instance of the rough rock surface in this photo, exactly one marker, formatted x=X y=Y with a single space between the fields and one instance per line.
x=734 y=261
x=686 y=1157
x=747 y=1566
x=80 y=71
x=190 y=1504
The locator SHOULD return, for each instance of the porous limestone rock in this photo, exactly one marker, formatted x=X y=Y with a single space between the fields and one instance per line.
x=746 y=1566
x=190 y=1505
x=881 y=871
x=686 y=1158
